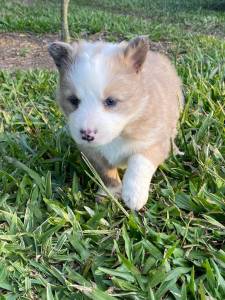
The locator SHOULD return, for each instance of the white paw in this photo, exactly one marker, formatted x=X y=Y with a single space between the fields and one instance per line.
x=136 y=181
x=134 y=197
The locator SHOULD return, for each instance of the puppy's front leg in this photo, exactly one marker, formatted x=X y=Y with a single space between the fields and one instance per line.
x=136 y=181
x=112 y=181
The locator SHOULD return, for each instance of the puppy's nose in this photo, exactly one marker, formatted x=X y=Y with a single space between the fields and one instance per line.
x=88 y=134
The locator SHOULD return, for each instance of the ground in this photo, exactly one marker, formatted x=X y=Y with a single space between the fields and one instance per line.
x=29 y=51
x=25 y=51
x=56 y=242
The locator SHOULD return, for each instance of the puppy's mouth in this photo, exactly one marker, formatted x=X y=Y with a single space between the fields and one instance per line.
x=97 y=142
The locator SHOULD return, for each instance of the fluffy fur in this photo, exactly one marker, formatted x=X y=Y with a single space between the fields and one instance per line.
x=137 y=130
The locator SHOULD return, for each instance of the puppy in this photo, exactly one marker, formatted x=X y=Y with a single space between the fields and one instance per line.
x=122 y=102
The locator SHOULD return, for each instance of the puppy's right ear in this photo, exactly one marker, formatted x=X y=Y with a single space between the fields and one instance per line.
x=62 y=53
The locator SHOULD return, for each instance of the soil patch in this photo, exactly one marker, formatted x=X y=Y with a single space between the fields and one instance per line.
x=25 y=51
x=29 y=51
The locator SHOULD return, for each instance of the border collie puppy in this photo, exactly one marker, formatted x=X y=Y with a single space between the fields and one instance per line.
x=122 y=103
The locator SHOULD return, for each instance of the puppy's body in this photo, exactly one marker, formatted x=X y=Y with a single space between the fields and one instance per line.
x=126 y=110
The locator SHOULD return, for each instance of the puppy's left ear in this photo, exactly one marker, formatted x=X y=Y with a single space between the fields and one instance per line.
x=136 y=51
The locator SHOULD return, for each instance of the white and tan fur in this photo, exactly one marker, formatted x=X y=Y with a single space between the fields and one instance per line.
x=137 y=130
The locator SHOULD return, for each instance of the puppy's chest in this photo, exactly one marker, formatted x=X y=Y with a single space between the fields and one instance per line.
x=118 y=151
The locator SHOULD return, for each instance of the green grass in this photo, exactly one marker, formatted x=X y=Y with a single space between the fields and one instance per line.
x=56 y=242
x=159 y=19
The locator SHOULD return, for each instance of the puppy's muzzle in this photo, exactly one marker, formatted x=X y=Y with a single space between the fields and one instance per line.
x=88 y=134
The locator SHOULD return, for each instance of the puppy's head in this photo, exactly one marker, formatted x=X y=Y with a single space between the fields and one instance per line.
x=99 y=87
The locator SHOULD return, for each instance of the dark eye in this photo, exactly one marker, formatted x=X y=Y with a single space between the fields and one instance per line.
x=110 y=102
x=74 y=101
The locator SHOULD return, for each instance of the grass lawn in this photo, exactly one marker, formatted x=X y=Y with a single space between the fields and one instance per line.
x=56 y=242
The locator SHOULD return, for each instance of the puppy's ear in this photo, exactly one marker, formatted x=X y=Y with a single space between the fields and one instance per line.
x=62 y=53
x=136 y=51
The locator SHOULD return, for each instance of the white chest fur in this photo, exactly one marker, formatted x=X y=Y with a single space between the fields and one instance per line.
x=118 y=151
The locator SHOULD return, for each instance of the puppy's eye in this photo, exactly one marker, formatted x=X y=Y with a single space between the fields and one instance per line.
x=110 y=102
x=74 y=100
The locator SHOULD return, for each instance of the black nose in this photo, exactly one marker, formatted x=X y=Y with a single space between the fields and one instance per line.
x=88 y=135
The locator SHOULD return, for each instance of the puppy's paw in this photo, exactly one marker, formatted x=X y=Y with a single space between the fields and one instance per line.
x=134 y=197
x=115 y=191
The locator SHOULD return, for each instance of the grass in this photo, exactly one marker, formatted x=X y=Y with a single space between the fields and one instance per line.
x=56 y=242
x=161 y=19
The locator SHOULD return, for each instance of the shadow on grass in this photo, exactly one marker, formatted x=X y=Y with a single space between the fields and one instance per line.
x=217 y=6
